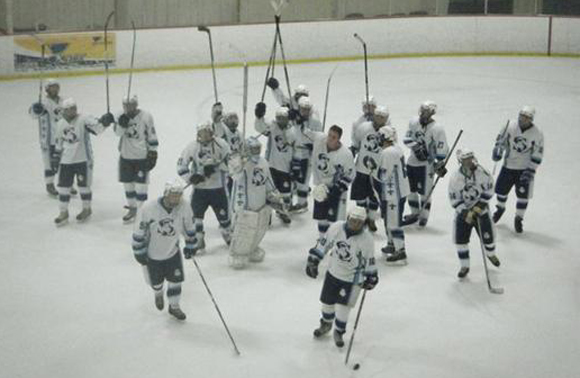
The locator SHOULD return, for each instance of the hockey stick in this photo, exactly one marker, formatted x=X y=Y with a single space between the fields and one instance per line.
x=215 y=305
x=132 y=60
x=107 y=58
x=359 y=268
x=493 y=290
x=206 y=30
x=366 y=66
x=271 y=64
x=287 y=77
x=501 y=138
x=40 y=63
x=412 y=218
x=245 y=103
x=326 y=97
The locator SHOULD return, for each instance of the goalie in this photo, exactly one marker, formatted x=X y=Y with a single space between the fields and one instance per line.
x=253 y=193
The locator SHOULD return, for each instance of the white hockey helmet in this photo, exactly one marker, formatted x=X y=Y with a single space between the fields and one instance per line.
x=358 y=213
x=304 y=103
x=51 y=82
x=69 y=103
x=205 y=132
x=254 y=146
x=428 y=108
x=382 y=111
x=528 y=111
x=282 y=112
x=464 y=154
x=301 y=90
x=388 y=134
x=175 y=186
x=231 y=119
x=134 y=100
x=371 y=101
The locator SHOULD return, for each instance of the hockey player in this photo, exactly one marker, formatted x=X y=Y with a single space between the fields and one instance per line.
x=333 y=172
x=138 y=153
x=428 y=143
x=521 y=144
x=75 y=153
x=156 y=244
x=352 y=265
x=217 y=124
x=470 y=189
x=203 y=163
x=252 y=191
x=368 y=110
x=300 y=169
x=365 y=144
x=279 y=152
x=48 y=114
x=391 y=182
x=233 y=137
x=292 y=103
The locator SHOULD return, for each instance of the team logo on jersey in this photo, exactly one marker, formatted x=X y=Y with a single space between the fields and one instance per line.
x=371 y=143
x=369 y=163
x=69 y=135
x=165 y=227
x=281 y=144
x=132 y=132
x=323 y=161
x=258 y=177
x=470 y=193
x=520 y=144
x=343 y=251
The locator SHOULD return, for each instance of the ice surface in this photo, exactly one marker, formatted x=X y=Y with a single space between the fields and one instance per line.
x=74 y=302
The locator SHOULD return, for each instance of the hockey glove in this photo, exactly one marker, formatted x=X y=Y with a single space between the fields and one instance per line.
x=141 y=258
x=260 y=110
x=496 y=154
x=124 y=120
x=196 y=178
x=527 y=176
x=209 y=170
x=38 y=108
x=295 y=170
x=151 y=159
x=440 y=169
x=293 y=114
x=420 y=151
x=312 y=266
x=354 y=150
x=335 y=191
x=106 y=119
x=54 y=160
x=189 y=252
x=217 y=110
x=371 y=280
x=273 y=83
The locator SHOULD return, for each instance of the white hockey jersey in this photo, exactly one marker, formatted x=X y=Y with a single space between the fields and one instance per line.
x=157 y=230
x=218 y=128
x=73 y=139
x=467 y=190
x=434 y=137
x=362 y=119
x=392 y=174
x=251 y=186
x=280 y=149
x=138 y=138
x=234 y=140
x=366 y=142
x=523 y=149
x=331 y=167
x=196 y=156
x=303 y=140
x=47 y=122
x=351 y=258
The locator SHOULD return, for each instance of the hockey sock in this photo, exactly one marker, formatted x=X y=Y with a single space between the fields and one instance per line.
x=141 y=193
x=173 y=293
x=63 y=198
x=323 y=226
x=414 y=203
x=198 y=225
x=362 y=203
x=342 y=313
x=327 y=312
x=86 y=196
x=302 y=193
x=398 y=238
x=463 y=254
x=49 y=179
x=130 y=194
x=501 y=200
x=521 y=207
x=426 y=207
x=158 y=289
x=373 y=214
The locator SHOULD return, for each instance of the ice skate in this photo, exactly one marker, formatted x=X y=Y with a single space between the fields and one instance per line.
x=324 y=328
x=299 y=208
x=389 y=249
x=200 y=246
x=494 y=260
x=84 y=215
x=62 y=219
x=371 y=225
x=284 y=217
x=399 y=257
x=176 y=312
x=338 y=341
x=463 y=272
x=518 y=224
x=497 y=214
x=423 y=222
x=159 y=301
x=131 y=214
x=51 y=190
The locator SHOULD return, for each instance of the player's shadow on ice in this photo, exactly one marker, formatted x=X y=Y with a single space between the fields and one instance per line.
x=531 y=237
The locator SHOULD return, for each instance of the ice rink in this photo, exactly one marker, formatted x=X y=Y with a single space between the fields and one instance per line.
x=75 y=304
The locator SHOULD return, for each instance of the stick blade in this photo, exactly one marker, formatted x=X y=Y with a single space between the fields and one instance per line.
x=203 y=28
x=496 y=290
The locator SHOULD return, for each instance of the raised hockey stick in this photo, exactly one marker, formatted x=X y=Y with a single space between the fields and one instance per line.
x=493 y=290
x=286 y=76
x=271 y=65
x=326 y=97
x=215 y=305
x=501 y=137
x=412 y=218
x=245 y=103
x=40 y=63
x=366 y=66
x=206 y=30
x=107 y=58
x=132 y=60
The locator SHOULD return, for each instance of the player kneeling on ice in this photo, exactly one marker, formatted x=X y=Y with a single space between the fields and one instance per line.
x=203 y=164
x=352 y=266
x=138 y=149
x=75 y=153
x=470 y=189
x=253 y=190
x=156 y=243
x=390 y=181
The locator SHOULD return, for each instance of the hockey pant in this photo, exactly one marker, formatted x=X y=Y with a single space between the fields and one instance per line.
x=420 y=183
x=462 y=235
x=66 y=175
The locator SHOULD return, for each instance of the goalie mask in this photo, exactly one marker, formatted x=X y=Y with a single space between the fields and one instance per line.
x=254 y=148
x=205 y=133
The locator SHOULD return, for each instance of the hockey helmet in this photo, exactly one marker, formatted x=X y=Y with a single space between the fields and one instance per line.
x=254 y=146
x=371 y=101
x=427 y=109
x=388 y=134
x=301 y=90
x=358 y=213
x=205 y=133
x=528 y=111
x=305 y=103
x=231 y=120
x=69 y=103
x=50 y=83
x=464 y=154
